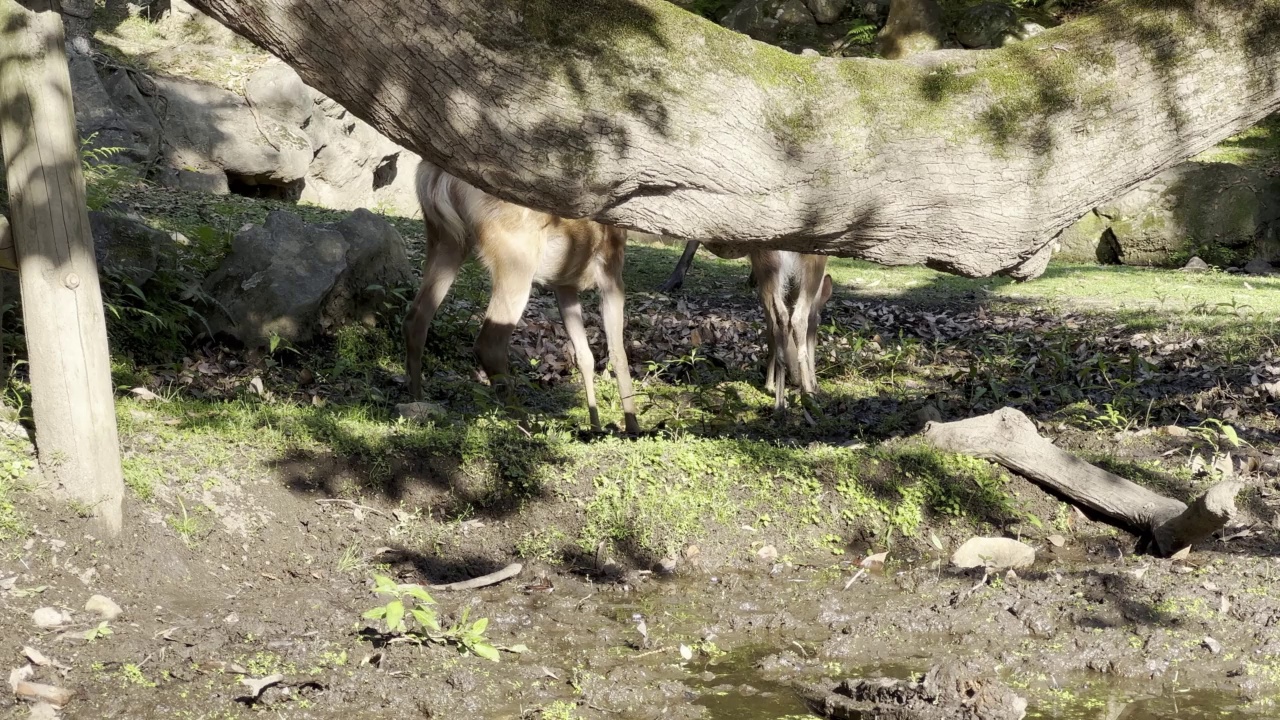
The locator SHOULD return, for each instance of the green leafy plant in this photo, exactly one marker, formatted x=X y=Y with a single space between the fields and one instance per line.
x=101 y=630
x=407 y=614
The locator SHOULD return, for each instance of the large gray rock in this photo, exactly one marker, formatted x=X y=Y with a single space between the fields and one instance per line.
x=827 y=11
x=113 y=114
x=356 y=166
x=1201 y=207
x=276 y=89
x=914 y=26
x=987 y=25
x=769 y=20
x=209 y=130
x=293 y=279
x=126 y=246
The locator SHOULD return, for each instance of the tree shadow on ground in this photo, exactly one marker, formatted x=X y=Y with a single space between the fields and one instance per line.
x=482 y=464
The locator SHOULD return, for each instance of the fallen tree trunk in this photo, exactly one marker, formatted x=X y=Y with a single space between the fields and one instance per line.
x=1009 y=438
x=640 y=114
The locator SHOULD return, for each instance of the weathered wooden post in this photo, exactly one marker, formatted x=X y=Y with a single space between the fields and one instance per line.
x=66 y=332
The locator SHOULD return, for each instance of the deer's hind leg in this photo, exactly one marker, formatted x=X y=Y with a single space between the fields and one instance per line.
x=571 y=314
x=439 y=270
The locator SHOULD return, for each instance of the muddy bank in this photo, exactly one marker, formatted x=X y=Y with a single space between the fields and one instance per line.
x=1090 y=631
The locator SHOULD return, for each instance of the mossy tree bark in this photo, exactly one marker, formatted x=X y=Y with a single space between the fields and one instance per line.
x=638 y=113
x=66 y=332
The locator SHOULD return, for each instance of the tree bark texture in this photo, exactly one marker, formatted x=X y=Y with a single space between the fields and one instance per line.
x=640 y=114
x=72 y=401
x=1009 y=438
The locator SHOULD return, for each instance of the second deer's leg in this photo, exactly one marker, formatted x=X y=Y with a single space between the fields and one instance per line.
x=612 y=300
x=439 y=271
x=677 y=275
x=773 y=300
x=571 y=314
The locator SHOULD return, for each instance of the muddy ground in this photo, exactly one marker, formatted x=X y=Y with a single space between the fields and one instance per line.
x=1092 y=631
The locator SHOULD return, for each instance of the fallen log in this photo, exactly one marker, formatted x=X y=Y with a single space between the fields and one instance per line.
x=1009 y=438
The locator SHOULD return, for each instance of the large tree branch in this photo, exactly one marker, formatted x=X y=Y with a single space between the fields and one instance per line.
x=638 y=113
x=1009 y=437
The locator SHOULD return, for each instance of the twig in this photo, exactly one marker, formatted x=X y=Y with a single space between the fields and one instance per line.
x=655 y=651
x=352 y=505
x=492 y=578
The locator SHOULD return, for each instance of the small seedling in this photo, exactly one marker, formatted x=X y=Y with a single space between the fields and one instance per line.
x=101 y=630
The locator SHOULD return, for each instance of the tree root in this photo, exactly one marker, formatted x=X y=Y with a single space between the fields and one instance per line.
x=1008 y=437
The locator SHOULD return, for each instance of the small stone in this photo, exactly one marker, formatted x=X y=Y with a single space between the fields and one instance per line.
x=810 y=52
x=104 y=607
x=1195 y=264
x=768 y=553
x=420 y=411
x=1213 y=646
x=995 y=553
x=668 y=565
x=1057 y=540
x=1175 y=431
x=1258 y=266
x=46 y=617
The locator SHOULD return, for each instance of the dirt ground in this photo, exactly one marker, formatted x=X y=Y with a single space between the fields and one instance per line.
x=1091 y=631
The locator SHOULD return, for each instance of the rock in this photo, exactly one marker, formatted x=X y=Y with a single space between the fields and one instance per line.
x=1083 y=241
x=213 y=181
x=1195 y=264
x=951 y=689
x=987 y=25
x=278 y=91
x=421 y=411
x=914 y=26
x=1225 y=207
x=104 y=607
x=1031 y=29
x=827 y=11
x=810 y=52
x=136 y=131
x=293 y=279
x=355 y=166
x=770 y=20
x=668 y=565
x=208 y=129
x=46 y=617
x=1212 y=645
x=768 y=554
x=995 y=553
x=125 y=246
x=1258 y=266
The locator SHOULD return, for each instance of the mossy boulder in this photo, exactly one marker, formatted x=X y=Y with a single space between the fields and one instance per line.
x=988 y=25
x=1219 y=211
x=1083 y=241
x=770 y=20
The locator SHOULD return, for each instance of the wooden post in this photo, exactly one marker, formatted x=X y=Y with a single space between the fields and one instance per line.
x=71 y=395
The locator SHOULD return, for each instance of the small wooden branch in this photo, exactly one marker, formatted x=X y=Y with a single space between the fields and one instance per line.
x=1009 y=438
x=492 y=578
x=39 y=692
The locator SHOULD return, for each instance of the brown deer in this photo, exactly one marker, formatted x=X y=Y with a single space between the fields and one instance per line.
x=518 y=247
x=793 y=289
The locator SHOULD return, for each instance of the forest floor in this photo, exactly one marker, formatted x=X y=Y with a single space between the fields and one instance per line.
x=264 y=494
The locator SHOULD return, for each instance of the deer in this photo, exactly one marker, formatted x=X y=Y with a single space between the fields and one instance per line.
x=793 y=288
x=518 y=247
